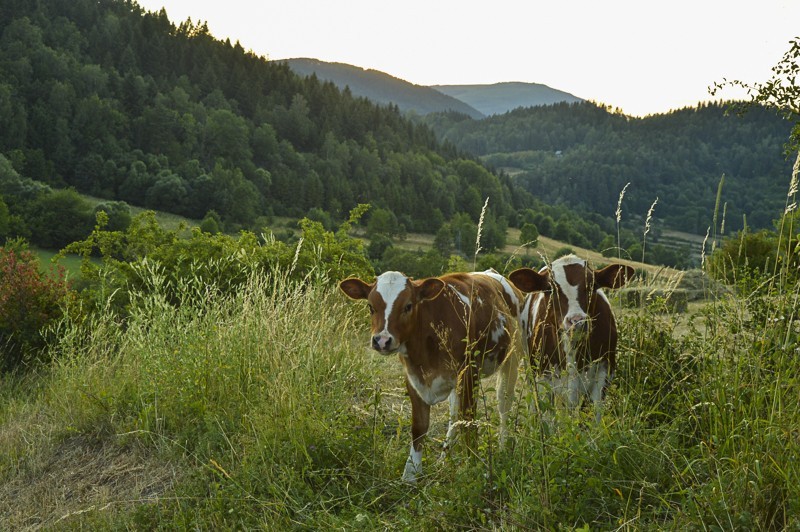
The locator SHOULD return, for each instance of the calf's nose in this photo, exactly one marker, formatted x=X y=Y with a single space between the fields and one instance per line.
x=381 y=342
x=575 y=321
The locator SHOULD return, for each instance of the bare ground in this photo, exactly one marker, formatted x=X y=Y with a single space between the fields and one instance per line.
x=81 y=476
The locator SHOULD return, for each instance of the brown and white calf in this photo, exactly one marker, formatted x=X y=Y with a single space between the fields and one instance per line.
x=570 y=327
x=449 y=332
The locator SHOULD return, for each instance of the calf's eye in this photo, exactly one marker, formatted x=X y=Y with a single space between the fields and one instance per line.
x=407 y=308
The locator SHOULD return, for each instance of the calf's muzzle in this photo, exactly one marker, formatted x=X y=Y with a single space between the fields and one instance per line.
x=383 y=343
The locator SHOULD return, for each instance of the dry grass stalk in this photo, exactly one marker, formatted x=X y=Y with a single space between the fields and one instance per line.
x=480 y=227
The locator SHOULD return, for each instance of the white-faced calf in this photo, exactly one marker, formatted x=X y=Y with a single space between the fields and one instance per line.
x=449 y=332
x=570 y=327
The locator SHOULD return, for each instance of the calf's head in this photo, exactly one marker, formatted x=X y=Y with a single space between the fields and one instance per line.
x=393 y=300
x=571 y=285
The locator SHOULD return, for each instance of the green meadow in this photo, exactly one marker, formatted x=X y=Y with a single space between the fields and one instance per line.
x=262 y=408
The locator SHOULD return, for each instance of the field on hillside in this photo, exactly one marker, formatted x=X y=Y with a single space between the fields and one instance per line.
x=547 y=248
x=71 y=263
x=264 y=409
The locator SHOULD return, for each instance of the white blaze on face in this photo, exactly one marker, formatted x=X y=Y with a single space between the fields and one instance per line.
x=574 y=310
x=389 y=286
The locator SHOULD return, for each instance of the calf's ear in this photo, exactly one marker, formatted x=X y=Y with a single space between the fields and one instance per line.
x=429 y=288
x=613 y=276
x=529 y=280
x=355 y=288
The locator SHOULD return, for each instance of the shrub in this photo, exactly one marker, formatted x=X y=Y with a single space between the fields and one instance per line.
x=501 y=262
x=382 y=222
x=417 y=264
x=146 y=255
x=29 y=302
x=562 y=252
x=211 y=223
x=745 y=256
x=378 y=246
x=529 y=236
x=119 y=214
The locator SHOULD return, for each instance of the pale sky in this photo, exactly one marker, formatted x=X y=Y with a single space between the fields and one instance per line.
x=642 y=56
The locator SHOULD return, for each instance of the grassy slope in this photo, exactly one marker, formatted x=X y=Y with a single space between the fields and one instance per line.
x=71 y=263
x=237 y=414
x=264 y=410
x=547 y=247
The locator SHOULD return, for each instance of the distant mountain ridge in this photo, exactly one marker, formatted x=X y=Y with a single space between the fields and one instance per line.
x=499 y=98
x=475 y=101
x=382 y=88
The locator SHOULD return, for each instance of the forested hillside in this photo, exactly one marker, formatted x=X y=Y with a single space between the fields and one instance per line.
x=582 y=155
x=125 y=105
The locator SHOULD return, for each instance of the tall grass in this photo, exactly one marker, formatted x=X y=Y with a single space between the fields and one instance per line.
x=263 y=409
x=618 y=217
x=724 y=393
x=262 y=391
x=647 y=221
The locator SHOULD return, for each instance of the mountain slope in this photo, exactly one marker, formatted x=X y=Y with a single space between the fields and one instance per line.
x=500 y=98
x=382 y=88
x=125 y=105
x=582 y=155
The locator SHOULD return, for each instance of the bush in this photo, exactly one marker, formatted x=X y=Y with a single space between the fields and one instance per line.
x=119 y=214
x=211 y=223
x=378 y=246
x=501 y=262
x=416 y=264
x=147 y=257
x=29 y=302
x=744 y=256
x=562 y=252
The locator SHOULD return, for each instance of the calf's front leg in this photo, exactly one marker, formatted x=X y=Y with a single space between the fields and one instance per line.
x=452 y=424
x=420 y=420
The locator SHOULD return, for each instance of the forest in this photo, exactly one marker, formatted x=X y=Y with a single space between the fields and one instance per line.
x=583 y=154
x=124 y=105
